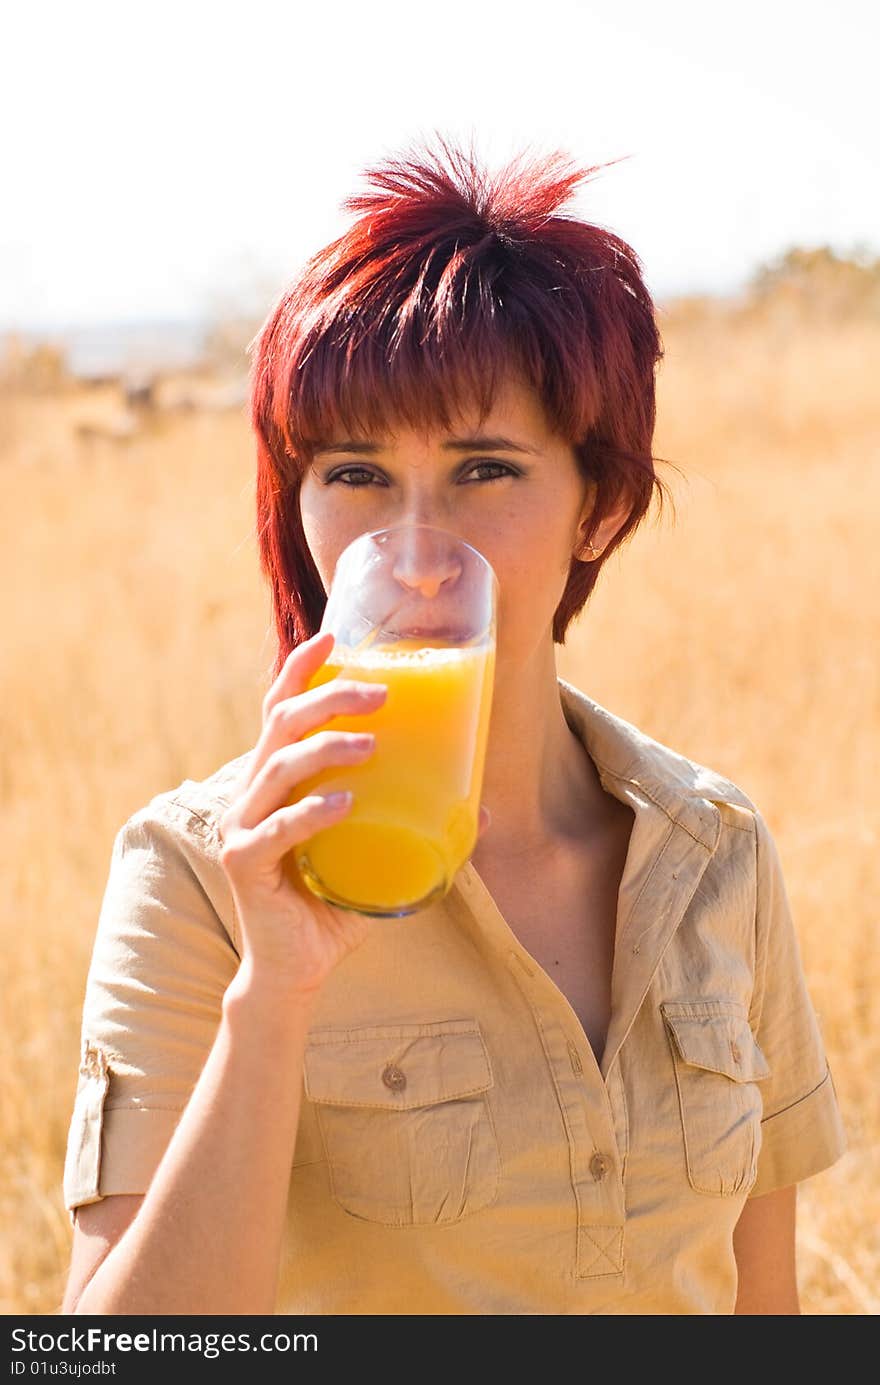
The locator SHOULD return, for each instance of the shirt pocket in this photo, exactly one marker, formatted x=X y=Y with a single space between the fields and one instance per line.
x=405 y=1121
x=718 y=1065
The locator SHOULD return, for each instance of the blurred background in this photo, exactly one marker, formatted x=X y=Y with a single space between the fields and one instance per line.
x=167 y=169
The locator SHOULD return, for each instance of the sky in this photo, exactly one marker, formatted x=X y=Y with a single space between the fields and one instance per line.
x=183 y=159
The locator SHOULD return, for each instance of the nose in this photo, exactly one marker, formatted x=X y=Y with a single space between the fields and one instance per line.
x=426 y=577
x=425 y=560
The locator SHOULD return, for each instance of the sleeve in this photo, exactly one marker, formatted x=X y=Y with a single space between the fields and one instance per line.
x=163 y=956
x=802 y=1128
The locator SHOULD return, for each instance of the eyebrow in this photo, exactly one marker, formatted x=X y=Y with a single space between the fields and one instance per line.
x=493 y=444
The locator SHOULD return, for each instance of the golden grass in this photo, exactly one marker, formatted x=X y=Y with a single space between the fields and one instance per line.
x=745 y=634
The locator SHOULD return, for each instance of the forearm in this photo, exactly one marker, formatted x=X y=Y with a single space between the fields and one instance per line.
x=208 y=1236
x=764 y=1245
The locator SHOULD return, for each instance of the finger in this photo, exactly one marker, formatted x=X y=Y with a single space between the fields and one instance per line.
x=262 y=847
x=293 y=717
x=293 y=765
x=299 y=666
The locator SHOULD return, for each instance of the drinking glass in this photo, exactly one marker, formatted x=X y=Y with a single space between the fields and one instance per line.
x=414 y=607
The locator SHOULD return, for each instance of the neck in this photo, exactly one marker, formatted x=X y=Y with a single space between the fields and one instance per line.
x=539 y=782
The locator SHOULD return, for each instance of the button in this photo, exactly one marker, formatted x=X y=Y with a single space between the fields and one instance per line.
x=394 y=1077
x=599 y=1166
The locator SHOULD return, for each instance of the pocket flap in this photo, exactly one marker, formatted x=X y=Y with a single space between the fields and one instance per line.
x=396 y=1066
x=716 y=1035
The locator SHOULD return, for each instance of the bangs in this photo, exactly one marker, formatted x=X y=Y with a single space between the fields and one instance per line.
x=387 y=352
x=369 y=391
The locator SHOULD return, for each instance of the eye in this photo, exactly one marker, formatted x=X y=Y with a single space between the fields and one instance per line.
x=501 y=467
x=349 y=471
x=345 y=473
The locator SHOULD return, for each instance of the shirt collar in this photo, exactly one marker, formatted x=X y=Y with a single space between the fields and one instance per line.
x=631 y=763
x=676 y=830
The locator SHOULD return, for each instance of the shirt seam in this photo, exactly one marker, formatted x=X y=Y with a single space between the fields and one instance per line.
x=390 y=1104
x=126 y=1106
x=181 y=803
x=799 y=1100
x=625 y=779
x=761 y=942
x=631 y=912
x=351 y=1034
x=233 y=931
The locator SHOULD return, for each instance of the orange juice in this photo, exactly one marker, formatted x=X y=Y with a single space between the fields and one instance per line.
x=413 y=821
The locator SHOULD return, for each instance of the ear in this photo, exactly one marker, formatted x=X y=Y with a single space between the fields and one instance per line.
x=606 y=531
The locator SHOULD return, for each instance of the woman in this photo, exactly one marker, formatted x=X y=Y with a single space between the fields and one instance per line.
x=590 y=1079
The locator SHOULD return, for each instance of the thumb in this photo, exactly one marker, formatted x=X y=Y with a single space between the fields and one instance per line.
x=485 y=819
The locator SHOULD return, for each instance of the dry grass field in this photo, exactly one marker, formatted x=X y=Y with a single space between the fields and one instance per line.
x=744 y=631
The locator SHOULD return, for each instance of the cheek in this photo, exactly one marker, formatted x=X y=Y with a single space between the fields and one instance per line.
x=532 y=565
x=534 y=545
x=325 y=536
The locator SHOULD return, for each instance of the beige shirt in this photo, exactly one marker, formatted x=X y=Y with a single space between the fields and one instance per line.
x=459 y=1149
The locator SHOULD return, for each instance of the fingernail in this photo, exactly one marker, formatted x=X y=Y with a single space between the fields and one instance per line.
x=336 y=800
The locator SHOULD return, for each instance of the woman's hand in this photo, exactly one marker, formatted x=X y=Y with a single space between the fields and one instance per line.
x=291 y=938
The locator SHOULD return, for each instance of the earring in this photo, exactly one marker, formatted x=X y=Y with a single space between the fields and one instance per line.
x=593 y=552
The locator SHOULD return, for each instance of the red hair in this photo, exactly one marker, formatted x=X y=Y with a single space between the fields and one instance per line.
x=449 y=281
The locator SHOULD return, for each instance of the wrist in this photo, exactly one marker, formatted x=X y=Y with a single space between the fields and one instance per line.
x=256 y=992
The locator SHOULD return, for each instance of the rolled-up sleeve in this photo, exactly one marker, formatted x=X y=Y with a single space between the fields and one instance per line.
x=802 y=1127
x=163 y=956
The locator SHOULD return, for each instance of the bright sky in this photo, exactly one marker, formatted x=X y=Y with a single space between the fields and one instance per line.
x=169 y=158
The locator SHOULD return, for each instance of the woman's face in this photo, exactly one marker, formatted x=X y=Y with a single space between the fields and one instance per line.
x=510 y=488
